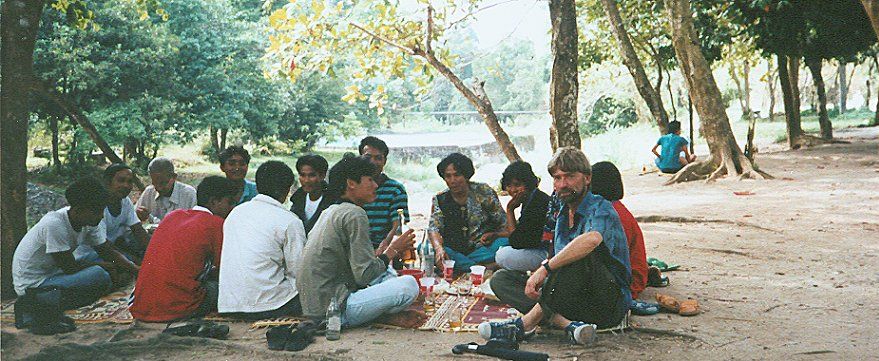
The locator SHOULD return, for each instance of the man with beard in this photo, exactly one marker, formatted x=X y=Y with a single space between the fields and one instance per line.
x=585 y=285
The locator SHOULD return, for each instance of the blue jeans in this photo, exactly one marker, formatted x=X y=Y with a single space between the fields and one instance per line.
x=481 y=254
x=81 y=288
x=386 y=294
x=526 y=259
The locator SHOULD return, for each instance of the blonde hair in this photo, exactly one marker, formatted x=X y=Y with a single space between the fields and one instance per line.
x=569 y=159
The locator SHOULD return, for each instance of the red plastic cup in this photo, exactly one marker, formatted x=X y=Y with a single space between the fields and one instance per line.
x=448 y=269
x=476 y=274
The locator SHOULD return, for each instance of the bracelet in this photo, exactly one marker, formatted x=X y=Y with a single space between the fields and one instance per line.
x=546 y=267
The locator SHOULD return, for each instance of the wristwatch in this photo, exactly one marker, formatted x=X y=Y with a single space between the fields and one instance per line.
x=546 y=267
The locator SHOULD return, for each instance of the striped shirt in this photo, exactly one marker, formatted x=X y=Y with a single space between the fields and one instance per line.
x=389 y=197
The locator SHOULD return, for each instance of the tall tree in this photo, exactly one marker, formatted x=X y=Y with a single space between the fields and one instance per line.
x=564 y=83
x=375 y=42
x=725 y=155
x=650 y=95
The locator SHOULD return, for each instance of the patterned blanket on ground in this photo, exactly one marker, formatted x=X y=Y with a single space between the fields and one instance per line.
x=112 y=308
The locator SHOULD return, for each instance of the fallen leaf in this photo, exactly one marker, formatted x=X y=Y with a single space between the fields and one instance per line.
x=744 y=193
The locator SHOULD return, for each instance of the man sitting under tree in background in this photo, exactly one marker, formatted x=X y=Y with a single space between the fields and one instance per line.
x=585 y=285
x=262 y=243
x=339 y=260
x=311 y=199
x=172 y=283
x=389 y=196
x=166 y=194
x=44 y=271
x=234 y=162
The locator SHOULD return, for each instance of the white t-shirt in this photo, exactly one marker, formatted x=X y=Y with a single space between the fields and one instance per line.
x=116 y=226
x=262 y=243
x=311 y=206
x=32 y=262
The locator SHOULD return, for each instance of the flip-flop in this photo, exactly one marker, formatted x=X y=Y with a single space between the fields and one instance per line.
x=655 y=278
x=668 y=303
x=664 y=267
x=212 y=330
x=689 y=307
x=301 y=336
x=276 y=337
x=642 y=308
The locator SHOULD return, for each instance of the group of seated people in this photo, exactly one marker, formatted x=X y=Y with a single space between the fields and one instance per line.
x=231 y=245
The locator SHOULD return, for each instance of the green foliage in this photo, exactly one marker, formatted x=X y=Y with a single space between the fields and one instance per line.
x=608 y=113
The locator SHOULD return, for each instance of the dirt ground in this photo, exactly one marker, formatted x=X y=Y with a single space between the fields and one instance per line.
x=788 y=272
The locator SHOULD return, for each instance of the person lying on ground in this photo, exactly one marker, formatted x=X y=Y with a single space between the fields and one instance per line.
x=466 y=220
x=173 y=283
x=262 y=244
x=608 y=183
x=390 y=196
x=44 y=258
x=311 y=199
x=673 y=144
x=527 y=249
x=234 y=162
x=166 y=194
x=339 y=260
x=585 y=285
x=124 y=230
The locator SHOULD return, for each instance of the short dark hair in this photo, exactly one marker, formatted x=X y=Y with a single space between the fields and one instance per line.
x=114 y=168
x=674 y=126
x=316 y=162
x=375 y=143
x=234 y=150
x=353 y=168
x=521 y=171
x=462 y=164
x=215 y=187
x=607 y=181
x=87 y=193
x=273 y=178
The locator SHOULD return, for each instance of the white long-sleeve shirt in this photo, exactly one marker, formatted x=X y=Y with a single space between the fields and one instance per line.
x=262 y=243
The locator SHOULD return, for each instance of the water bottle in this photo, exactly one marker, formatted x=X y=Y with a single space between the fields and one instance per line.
x=428 y=258
x=334 y=320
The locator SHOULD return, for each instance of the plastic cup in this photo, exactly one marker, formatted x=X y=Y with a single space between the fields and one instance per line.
x=448 y=269
x=476 y=274
x=427 y=283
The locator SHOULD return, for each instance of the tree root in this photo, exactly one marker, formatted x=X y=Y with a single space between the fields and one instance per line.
x=668 y=333
x=710 y=171
x=811 y=141
x=673 y=219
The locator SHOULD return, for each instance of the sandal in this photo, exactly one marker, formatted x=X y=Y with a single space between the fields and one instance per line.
x=664 y=267
x=689 y=307
x=642 y=308
x=668 y=303
x=655 y=278
x=198 y=329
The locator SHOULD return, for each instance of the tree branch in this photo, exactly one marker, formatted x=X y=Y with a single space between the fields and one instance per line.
x=387 y=41
x=429 y=37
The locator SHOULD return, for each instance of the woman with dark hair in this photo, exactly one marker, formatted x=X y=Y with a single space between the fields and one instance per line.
x=466 y=221
x=527 y=250
x=608 y=183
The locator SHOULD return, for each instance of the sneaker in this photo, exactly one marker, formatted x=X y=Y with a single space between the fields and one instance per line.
x=513 y=330
x=581 y=333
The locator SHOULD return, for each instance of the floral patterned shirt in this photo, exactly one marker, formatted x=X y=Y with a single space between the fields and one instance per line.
x=482 y=214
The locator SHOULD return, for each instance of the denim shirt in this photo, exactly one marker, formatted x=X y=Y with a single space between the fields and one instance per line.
x=597 y=214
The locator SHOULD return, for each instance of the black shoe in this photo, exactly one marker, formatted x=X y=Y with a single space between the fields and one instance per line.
x=48 y=317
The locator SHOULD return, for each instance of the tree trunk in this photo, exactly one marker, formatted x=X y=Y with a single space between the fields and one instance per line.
x=671 y=96
x=53 y=127
x=630 y=59
x=746 y=75
x=791 y=104
x=843 y=87
x=215 y=142
x=19 y=28
x=738 y=83
x=814 y=65
x=770 y=81
x=480 y=101
x=725 y=155
x=564 y=86
x=692 y=126
x=223 y=133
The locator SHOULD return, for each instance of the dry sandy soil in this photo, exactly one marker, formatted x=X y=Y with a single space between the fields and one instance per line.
x=788 y=272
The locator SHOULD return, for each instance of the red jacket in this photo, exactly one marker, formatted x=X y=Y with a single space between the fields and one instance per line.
x=637 y=253
x=166 y=287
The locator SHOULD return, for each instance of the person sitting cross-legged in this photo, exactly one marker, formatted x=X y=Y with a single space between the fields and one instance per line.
x=527 y=249
x=235 y=162
x=165 y=195
x=673 y=146
x=390 y=196
x=43 y=262
x=262 y=244
x=339 y=260
x=466 y=220
x=178 y=276
x=585 y=285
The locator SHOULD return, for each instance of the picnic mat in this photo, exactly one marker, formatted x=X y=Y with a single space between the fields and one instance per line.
x=112 y=308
